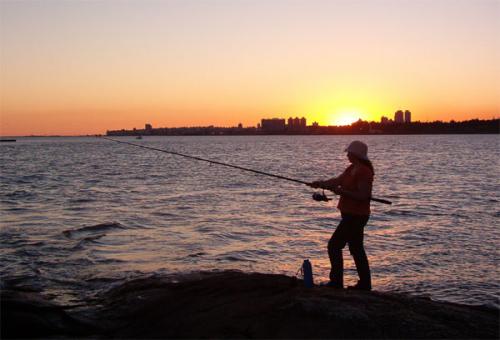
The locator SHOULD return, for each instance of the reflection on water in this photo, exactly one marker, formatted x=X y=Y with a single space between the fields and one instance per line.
x=81 y=213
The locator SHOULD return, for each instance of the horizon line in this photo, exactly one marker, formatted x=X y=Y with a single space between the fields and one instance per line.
x=228 y=127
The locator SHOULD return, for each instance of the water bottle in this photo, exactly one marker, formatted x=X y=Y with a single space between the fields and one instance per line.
x=308 y=274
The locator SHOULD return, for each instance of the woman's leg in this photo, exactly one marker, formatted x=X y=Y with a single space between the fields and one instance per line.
x=358 y=252
x=335 y=245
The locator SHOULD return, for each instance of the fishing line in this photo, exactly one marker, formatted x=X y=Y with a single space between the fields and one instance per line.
x=229 y=165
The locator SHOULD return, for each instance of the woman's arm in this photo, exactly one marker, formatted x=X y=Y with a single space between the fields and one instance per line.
x=363 y=192
x=329 y=184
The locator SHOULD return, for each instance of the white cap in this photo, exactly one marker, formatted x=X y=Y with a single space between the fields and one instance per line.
x=359 y=149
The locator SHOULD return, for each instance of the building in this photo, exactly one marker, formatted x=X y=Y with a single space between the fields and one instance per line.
x=296 y=124
x=398 y=117
x=384 y=120
x=148 y=127
x=274 y=125
x=407 y=116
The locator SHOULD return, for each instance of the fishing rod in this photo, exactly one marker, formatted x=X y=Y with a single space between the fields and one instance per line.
x=316 y=196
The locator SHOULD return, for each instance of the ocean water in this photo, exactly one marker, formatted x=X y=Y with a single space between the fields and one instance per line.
x=80 y=215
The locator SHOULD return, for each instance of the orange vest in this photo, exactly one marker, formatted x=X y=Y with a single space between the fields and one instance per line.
x=351 y=178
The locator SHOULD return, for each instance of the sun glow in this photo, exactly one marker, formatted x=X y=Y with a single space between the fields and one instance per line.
x=345 y=118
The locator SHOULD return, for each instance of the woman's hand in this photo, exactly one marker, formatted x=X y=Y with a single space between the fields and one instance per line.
x=338 y=190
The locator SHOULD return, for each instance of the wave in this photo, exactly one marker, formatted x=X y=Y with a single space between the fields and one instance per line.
x=231 y=258
x=197 y=254
x=245 y=256
x=19 y=194
x=89 y=239
x=98 y=228
x=81 y=200
x=165 y=214
x=27 y=179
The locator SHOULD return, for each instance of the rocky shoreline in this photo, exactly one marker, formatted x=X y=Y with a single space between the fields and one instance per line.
x=233 y=304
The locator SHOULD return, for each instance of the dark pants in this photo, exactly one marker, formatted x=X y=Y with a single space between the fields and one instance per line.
x=350 y=231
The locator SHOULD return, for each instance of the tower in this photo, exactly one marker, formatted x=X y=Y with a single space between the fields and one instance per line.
x=398 y=117
x=407 y=116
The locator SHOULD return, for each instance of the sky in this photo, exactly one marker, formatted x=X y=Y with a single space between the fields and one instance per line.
x=84 y=67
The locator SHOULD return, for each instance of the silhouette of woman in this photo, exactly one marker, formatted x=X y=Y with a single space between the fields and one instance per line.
x=354 y=186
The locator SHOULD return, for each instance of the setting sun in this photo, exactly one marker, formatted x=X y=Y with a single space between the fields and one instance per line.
x=345 y=118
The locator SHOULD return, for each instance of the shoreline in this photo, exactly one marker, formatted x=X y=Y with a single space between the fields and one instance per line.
x=233 y=304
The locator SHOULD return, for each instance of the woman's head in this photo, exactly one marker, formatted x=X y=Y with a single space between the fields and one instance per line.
x=357 y=152
x=357 y=149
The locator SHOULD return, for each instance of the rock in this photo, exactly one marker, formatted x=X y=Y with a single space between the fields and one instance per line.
x=232 y=304
x=238 y=305
x=30 y=315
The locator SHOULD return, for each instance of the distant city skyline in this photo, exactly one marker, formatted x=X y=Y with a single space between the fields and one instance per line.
x=298 y=126
x=82 y=67
x=278 y=124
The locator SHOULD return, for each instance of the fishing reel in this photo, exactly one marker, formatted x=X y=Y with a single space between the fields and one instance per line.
x=320 y=197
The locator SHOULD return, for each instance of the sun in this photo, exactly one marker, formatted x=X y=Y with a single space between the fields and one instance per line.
x=345 y=118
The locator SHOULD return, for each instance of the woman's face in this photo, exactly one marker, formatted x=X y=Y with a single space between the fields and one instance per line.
x=351 y=157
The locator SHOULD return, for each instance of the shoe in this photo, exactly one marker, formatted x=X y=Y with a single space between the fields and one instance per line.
x=360 y=286
x=332 y=284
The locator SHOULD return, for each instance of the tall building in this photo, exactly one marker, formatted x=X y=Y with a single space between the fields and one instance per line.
x=296 y=124
x=274 y=125
x=398 y=117
x=407 y=116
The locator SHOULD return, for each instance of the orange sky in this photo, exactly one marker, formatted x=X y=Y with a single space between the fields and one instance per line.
x=77 y=67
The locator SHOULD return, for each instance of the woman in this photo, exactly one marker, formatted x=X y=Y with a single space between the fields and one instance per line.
x=354 y=186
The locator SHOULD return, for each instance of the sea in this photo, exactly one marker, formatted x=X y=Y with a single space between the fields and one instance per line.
x=80 y=215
